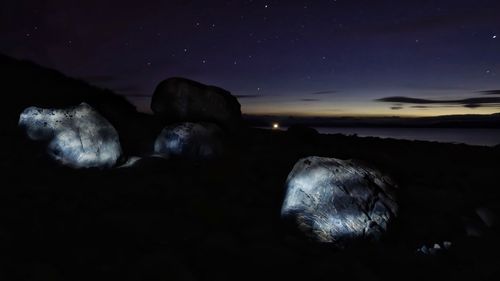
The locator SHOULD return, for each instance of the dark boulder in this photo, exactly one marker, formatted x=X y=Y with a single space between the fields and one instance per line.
x=184 y=100
x=78 y=137
x=338 y=201
x=195 y=141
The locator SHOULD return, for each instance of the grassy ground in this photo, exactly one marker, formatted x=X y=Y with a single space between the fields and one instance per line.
x=169 y=220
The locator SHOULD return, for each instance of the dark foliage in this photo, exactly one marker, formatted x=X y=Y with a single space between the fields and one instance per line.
x=26 y=84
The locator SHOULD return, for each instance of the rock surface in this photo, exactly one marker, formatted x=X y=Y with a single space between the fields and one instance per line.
x=184 y=100
x=78 y=137
x=337 y=201
x=190 y=141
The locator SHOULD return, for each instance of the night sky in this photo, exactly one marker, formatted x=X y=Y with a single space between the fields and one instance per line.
x=339 y=58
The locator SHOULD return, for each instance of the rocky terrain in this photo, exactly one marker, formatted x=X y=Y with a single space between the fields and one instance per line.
x=193 y=218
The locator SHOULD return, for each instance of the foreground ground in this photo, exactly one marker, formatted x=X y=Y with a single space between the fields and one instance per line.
x=168 y=220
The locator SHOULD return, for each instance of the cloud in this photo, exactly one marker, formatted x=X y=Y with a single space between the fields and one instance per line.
x=328 y=92
x=396 y=107
x=309 y=99
x=426 y=87
x=467 y=102
x=490 y=92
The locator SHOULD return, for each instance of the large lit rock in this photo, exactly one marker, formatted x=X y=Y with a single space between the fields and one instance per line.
x=78 y=137
x=190 y=141
x=184 y=100
x=338 y=201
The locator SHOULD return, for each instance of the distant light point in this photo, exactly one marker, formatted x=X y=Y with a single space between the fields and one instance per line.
x=494 y=37
x=276 y=126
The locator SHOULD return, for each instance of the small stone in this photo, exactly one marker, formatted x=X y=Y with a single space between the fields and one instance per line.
x=488 y=218
x=424 y=250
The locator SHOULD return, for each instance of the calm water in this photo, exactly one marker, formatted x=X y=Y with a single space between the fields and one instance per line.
x=485 y=137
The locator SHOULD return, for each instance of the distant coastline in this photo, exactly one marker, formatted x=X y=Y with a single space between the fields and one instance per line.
x=448 y=121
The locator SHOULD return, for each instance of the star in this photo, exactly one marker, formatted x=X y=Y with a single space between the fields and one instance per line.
x=494 y=37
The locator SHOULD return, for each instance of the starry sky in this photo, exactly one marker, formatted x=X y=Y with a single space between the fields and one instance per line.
x=314 y=58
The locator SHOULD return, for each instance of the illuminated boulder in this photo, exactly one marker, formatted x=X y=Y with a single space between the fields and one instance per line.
x=190 y=141
x=184 y=100
x=78 y=137
x=338 y=201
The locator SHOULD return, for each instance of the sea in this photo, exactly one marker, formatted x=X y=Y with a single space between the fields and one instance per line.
x=471 y=136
